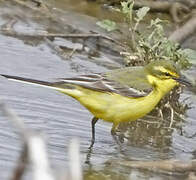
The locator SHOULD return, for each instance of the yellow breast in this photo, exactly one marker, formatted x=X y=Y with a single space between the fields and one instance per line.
x=115 y=108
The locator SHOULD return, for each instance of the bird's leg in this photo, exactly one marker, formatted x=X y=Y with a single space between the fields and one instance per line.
x=114 y=134
x=113 y=130
x=118 y=138
x=93 y=122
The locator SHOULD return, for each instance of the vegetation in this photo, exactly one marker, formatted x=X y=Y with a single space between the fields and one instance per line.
x=149 y=44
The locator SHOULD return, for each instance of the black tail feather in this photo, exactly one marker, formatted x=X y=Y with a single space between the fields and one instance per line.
x=45 y=83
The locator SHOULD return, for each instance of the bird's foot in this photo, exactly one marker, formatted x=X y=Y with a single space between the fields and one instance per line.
x=118 y=137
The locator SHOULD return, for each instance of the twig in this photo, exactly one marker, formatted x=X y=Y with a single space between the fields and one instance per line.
x=14 y=119
x=38 y=158
x=9 y=25
x=40 y=6
x=35 y=147
x=55 y=47
x=53 y=35
x=74 y=161
x=172 y=116
x=174 y=8
x=69 y=56
x=181 y=34
x=21 y=165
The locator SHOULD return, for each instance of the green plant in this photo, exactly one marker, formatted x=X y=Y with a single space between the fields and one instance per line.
x=151 y=43
x=107 y=24
x=147 y=42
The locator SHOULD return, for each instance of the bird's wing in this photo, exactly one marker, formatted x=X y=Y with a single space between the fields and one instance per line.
x=106 y=83
x=129 y=82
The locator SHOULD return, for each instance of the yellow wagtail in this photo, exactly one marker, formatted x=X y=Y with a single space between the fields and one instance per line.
x=119 y=95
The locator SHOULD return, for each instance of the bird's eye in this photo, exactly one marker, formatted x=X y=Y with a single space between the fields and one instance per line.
x=167 y=74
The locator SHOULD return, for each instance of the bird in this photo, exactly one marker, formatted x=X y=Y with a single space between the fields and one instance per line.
x=119 y=95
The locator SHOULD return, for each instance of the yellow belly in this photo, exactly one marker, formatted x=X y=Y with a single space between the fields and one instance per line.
x=113 y=107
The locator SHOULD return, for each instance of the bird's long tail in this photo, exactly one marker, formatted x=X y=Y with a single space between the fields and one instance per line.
x=53 y=85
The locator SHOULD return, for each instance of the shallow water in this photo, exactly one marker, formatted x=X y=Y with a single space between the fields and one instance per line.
x=61 y=118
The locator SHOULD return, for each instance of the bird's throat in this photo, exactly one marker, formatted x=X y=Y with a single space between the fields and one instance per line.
x=163 y=86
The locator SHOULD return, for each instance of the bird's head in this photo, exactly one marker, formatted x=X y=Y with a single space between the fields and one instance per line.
x=165 y=73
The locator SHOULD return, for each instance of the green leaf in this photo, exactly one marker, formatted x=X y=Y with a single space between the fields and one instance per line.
x=107 y=25
x=142 y=12
x=191 y=55
x=116 y=9
x=125 y=7
x=155 y=22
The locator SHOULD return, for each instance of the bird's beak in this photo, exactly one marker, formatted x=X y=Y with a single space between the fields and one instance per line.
x=183 y=80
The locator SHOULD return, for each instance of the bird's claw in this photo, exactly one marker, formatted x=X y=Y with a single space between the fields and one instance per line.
x=118 y=137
